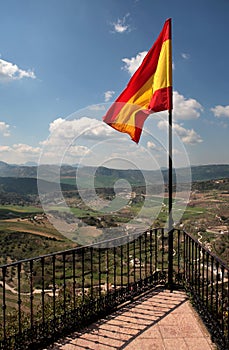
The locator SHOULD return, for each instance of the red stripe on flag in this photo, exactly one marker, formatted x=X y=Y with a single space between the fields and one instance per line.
x=161 y=100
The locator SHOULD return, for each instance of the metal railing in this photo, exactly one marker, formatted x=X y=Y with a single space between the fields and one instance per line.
x=206 y=279
x=49 y=296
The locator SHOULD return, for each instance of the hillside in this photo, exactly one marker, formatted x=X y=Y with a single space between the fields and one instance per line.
x=21 y=185
x=105 y=177
x=210 y=172
x=18 y=190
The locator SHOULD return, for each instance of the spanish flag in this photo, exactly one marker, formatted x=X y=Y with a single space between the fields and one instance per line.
x=148 y=91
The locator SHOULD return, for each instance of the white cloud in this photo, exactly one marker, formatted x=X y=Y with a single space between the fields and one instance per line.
x=79 y=151
x=20 y=148
x=108 y=95
x=5 y=149
x=56 y=124
x=151 y=145
x=97 y=108
x=220 y=111
x=185 y=108
x=185 y=56
x=188 y=136
x=19 y=153
x=10 y=71
x=26 y=149
x=4 y=129
x=74 y=138
x=121 y=26
x=63 y=131
x=132 y=64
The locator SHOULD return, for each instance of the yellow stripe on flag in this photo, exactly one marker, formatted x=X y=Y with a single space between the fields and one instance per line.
x=163 y=74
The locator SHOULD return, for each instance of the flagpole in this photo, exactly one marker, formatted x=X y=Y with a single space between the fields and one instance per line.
x=170 y=177
x=170 y=203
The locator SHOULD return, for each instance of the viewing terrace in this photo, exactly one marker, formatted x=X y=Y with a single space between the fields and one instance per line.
x=158 y=320
x=118 y=294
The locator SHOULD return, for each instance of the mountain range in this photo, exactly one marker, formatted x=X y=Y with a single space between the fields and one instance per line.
x=106 y=177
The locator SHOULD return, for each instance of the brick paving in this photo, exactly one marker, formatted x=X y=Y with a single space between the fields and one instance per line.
x=159 y=320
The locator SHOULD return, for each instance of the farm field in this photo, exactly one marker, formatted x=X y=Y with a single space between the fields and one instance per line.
x=207 y=216
x=25 y=231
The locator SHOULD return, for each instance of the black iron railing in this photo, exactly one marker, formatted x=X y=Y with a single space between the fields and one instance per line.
x=51 y=295
x=206 y=278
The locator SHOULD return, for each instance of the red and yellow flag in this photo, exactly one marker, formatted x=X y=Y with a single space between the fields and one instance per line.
x=148 y=91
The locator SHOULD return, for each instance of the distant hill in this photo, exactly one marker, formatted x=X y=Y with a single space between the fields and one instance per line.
x=28 y=186
x=105 y=177
x=210 y=172
x=10 y=170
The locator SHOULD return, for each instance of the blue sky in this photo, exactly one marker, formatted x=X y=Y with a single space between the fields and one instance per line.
x=58 y=57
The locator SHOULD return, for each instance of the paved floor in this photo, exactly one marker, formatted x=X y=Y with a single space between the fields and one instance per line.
x=159 y=320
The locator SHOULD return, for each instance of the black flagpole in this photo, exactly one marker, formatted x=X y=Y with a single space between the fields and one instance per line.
x=170 y=193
